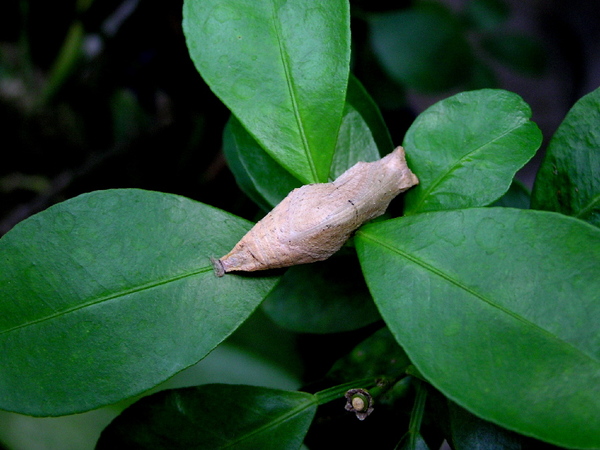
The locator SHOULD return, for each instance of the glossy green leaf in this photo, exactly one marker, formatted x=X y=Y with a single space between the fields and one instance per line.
x=519 y=52
x=81 y=431
x=355 y=143
x=325 y=297
x=467 y=148
x=282 y=69
x=214 y=416
x=108 y=294
x=569 y=178
x=261 y=178
x=499 y=309
x=423 y=47
x=363 y=136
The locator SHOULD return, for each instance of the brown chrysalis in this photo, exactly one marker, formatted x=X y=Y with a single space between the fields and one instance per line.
x=315 y=220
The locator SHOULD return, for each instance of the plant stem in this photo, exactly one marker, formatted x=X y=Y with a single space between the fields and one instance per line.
x=416 y=415
x=336 y=392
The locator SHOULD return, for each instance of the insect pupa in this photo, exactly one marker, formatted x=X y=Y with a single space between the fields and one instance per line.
x=315 y=220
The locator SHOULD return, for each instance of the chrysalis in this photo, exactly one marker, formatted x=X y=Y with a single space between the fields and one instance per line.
x=315 y=220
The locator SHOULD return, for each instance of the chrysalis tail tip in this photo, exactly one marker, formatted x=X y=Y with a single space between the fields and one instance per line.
x=218 y=267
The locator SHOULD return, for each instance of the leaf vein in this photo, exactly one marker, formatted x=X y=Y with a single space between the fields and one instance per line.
x=293 y=412
x=458 y=163
x=478 y=295
x=106 y=298
x=593 y=203
x=293 y=95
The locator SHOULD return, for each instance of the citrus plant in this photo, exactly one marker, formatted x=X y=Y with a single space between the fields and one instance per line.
x=484 y=310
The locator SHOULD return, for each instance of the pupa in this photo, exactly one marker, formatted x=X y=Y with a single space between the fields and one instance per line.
x=315 y=220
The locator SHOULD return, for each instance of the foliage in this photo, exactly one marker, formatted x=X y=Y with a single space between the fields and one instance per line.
x=484 y=311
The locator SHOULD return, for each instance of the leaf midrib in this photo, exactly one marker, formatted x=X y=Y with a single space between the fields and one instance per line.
x=125 y=292
x=280 y=419
x=292 y=91
x=481 y=297
x=592 y=204
x=458 y=163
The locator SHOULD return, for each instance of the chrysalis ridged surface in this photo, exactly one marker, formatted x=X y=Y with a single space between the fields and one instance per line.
x=315 y=220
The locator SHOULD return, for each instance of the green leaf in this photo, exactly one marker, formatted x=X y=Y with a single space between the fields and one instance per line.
x=282 y=69
x=499 y=309
x=467 y=148
x=519 y=52
x=569 y=178
x=214 y=416
x=355 y=143
x=363 y=136
x=324 y=297
x=108 y=294
x=422 y=47
x=256 y=173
